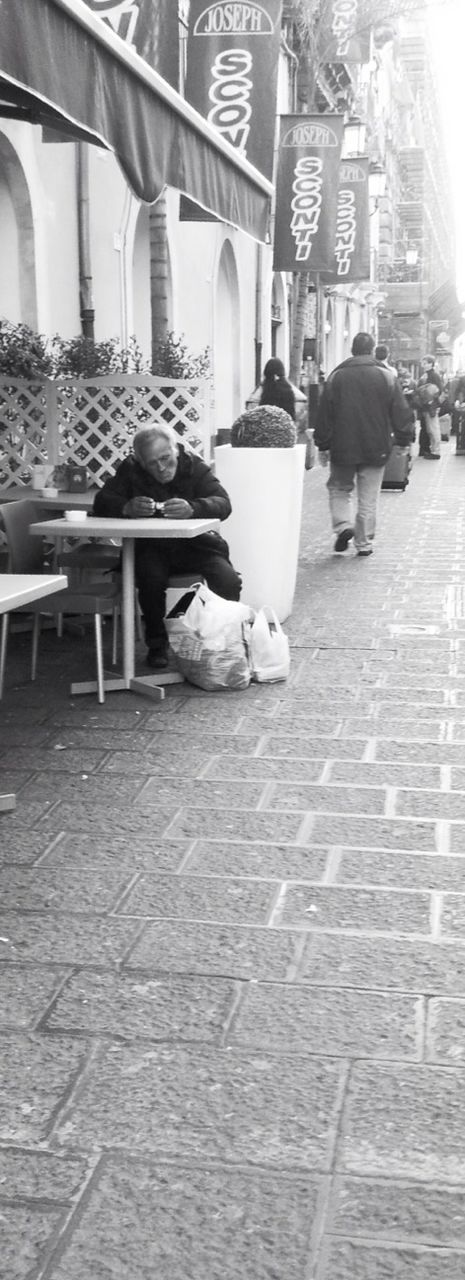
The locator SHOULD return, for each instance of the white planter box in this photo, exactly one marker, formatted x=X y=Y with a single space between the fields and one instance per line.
x=265 y=488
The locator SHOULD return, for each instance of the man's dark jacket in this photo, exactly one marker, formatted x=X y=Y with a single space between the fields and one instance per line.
x=194 y=481
x=362 y=413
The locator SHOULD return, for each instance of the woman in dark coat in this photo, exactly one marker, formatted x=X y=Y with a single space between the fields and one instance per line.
x=275 y=387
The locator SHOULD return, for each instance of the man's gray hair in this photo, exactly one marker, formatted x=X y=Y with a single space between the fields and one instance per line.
x=162 y=429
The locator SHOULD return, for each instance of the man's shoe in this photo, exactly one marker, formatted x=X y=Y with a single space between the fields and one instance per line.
x=367 y=551
x=157 y=659
x=343 y=539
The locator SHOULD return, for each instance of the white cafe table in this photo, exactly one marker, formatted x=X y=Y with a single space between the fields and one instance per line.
x=18 y=589
x=128 y=531
x=60 y=500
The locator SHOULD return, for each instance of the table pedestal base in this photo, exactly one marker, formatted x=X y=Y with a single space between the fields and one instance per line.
x=151 y=686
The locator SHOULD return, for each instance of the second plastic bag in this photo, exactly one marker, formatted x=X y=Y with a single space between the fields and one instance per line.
x=268 y=647
x=209 y=639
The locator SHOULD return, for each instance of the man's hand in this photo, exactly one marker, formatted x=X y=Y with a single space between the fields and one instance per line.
x=323 y=457
x=139 y=508
x=177 y=509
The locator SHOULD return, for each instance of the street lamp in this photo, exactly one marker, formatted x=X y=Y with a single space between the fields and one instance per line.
x=354 y=137
x=376 y=182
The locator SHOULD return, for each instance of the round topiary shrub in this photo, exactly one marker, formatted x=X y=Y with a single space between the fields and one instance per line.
x=265 y=427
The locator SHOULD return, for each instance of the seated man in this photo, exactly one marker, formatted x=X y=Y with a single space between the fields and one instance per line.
x=161 y=471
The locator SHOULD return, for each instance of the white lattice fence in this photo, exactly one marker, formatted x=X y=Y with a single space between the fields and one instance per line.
x=91 y=422
x=23 y=430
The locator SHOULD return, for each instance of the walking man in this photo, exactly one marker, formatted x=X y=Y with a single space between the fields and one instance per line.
x=362 y=413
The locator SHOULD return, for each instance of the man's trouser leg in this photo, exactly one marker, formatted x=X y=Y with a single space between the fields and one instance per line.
x=433 y=427
x=340 y=488
x=153 y=569
x=156 y=561
x=369 y=480
x=218 y=572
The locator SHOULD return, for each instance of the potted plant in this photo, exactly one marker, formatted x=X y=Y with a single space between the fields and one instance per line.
x=262 y=471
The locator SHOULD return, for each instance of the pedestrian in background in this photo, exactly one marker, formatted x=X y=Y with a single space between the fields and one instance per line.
x=275 y=387
x=382 y=356
x=362 y=412
x=427 y=401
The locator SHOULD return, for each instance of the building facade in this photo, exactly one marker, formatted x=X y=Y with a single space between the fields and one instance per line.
x=137 y=268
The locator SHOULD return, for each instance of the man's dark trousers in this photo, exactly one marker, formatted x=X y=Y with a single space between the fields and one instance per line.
x=155 y=564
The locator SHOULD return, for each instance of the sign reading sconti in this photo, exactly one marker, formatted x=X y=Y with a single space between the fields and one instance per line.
x=306 y=204
x=343 y=25
x=352 y=250
x=344 y=34
x=232 y=66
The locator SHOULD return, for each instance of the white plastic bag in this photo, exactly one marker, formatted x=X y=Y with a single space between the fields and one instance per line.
x=268 y=647
x=208 y=637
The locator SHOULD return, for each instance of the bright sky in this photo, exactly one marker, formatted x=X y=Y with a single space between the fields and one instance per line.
x=447 y=22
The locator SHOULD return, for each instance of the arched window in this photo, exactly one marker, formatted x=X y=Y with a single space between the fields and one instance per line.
x=227 y=341
x=18 y=289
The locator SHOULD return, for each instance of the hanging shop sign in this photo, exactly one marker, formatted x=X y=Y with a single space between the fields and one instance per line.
x=345 y=35
x=352 y=248
x=306 y=194
x=232 y=71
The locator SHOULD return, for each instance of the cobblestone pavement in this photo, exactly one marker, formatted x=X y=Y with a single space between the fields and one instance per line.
x=233 y=928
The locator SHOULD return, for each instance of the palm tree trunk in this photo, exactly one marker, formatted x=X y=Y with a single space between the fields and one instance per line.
x=159 y=272
x=298 y=328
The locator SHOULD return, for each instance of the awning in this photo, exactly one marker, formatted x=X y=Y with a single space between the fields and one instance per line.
x=61 y=66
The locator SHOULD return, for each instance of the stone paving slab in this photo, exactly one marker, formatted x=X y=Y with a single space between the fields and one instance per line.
x=23 y=847
x=341 y=1024
x=424 y=1137
x=200 y=898
x=364 y=910
x=415 y=1212
x=400 y=870
x=310 y=747
x=25 y=994
x=65 y=938
x=208 y=1104
x=40 y=1175
x=80 y=852
x=270 y=861
x=384 y=964
x=349 y=1260
x=129 y=1007
x=39 y=888
x=224 y=950
x=37 y=1075
x=172 y=1222
x=193 y=824
x=27 y=1234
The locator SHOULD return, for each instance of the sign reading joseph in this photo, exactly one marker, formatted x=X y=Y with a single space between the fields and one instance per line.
x=306 y=195
x=232 y=67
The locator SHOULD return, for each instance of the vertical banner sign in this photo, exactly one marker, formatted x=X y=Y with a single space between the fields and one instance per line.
x=150 y=27
x=352 y=252
x=346 y=35
x=306 y=194
x=232 y=70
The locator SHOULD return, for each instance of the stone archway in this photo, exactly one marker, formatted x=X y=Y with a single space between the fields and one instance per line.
x=227 y=341
x=18 y=287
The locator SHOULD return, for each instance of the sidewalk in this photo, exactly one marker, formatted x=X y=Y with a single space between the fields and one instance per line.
x=233 y=927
